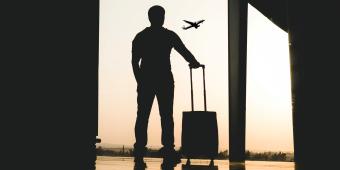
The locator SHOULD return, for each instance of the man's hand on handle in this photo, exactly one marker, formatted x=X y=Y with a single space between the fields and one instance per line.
x=195 y=65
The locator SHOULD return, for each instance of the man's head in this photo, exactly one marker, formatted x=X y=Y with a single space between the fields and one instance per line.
x=156 y=15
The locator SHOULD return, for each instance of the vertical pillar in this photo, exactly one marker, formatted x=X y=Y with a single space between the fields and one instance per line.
x=237 y=44
x=52 y=83
x=315 y=71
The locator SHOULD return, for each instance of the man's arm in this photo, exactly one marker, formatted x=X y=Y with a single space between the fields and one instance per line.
x=187 y=55
x=135 y=60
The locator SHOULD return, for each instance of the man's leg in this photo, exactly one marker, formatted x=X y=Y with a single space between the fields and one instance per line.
x=144 y=99
x=165 y=97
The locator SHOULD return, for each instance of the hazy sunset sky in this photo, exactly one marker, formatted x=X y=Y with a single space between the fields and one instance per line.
x=269 y=119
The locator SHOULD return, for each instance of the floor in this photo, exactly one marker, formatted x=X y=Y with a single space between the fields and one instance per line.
x=126 y=163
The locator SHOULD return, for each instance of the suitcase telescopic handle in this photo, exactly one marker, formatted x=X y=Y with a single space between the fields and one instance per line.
x=192 y=92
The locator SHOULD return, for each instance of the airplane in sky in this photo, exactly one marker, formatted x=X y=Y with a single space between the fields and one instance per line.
x=192 y=24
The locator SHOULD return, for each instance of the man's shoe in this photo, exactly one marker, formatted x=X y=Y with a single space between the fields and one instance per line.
x=172 y=159
x=167 y=166
x=176 y=156
x=139 y=163
x=170 y=163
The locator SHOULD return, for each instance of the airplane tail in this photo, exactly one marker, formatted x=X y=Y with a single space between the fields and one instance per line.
x=184 y=27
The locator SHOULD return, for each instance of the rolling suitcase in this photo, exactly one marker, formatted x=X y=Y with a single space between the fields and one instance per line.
x=199 y=130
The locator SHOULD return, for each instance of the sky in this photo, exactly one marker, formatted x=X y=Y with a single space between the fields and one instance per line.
x=269 y=119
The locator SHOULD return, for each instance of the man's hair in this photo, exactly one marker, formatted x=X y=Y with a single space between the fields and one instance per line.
x=156 y=14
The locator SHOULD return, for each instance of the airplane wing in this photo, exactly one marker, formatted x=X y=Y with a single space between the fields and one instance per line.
x=185 y=28
x=200 y=21
x=191 y=23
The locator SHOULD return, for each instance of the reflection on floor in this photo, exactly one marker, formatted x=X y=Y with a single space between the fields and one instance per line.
x=126 y=163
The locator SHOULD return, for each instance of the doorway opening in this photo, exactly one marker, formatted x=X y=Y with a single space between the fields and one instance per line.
x=120 y=21
x=268 y=112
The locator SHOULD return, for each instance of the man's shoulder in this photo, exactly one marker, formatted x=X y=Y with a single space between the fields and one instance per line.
x=147 y=32
x=141 y=33
x=170 y=32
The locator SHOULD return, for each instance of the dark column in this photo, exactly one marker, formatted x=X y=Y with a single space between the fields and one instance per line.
x=51 y=83
x=237 y=42
x=313 y=35
x=314 y=55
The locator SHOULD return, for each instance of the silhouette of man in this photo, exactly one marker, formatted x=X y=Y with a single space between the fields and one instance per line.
x=152 y=47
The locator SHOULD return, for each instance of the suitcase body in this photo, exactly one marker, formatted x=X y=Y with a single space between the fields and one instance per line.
x=199 y=134
x=199 y=130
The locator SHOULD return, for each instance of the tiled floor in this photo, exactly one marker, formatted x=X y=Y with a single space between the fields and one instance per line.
x=126 y=163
